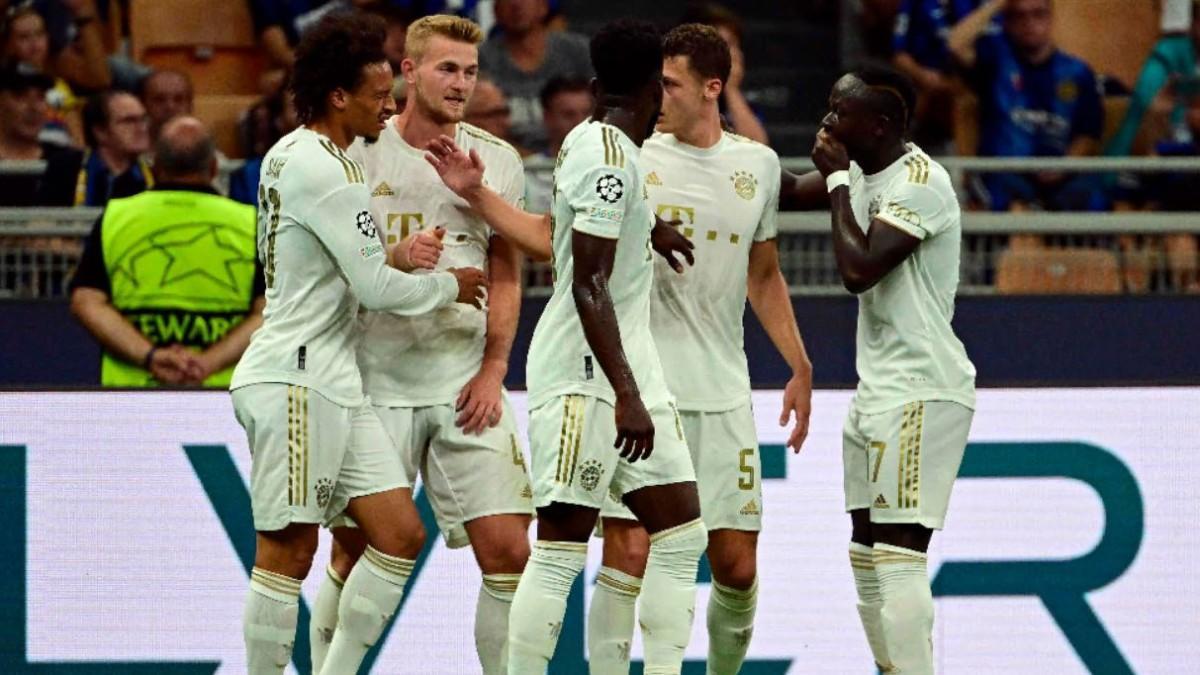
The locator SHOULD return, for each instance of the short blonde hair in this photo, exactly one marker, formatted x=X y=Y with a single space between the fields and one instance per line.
x=453 y=27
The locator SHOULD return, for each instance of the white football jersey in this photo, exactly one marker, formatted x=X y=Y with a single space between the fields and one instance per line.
x=410 y=361
x=726 y=197
x=906 y=348
x=321 y=256
x=597 y=191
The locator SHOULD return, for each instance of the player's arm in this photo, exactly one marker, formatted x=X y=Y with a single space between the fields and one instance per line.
x=802 y=192
x=862 y=259
x=961 y=39
x=768 y=293
x=480 y=402
x=593 y=257
x=462 y=172
x=344 y=225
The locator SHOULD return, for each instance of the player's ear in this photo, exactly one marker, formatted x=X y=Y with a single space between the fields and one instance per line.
x=712 y=89
x=337 y=99
x=408 y=69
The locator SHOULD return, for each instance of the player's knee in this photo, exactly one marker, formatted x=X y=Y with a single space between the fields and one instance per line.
x=503 y=557
x=738 y=572
x=342 y=560
x=626 y=549
x=401 y=542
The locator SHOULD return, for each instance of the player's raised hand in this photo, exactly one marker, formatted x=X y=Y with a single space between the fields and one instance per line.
x=667 y=241
x=797 y=400
x=472 y=283
x=459 y=170
x=479 y=404
x=635 y=429
x=420 y=250
x=829 y=154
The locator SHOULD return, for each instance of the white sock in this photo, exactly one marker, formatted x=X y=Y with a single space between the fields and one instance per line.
x=668 y=601
x=324 y=617
x=540 y=603
x=907 y=614
x=370 y=597
x=730 y=626
x=491 y=621
x=610 y=622
x=862 y=564
x=269 y=621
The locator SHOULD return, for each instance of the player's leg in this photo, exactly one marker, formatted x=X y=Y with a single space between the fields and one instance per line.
x=349 y=542
x=572 y=466
x=614 y=599
x=481 y=496
x=348 y=546
x=724 y=447
x=376 y=494
x=276 y=418
x=913 y=493
x=661 y=492
x=857 y=469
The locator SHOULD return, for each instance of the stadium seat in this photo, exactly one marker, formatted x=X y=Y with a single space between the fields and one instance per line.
x=1049 y=270
x=221 y=114
x=211 y=40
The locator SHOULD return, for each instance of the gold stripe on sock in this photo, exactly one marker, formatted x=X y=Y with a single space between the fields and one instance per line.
x=618 y=586
x=397 y=566
x=334 y=576
x=275 y=582
x=569 y=546
x=659 y=536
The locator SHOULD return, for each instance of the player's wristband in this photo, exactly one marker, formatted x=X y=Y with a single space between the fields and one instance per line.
x=837 y=179
x=149 y=357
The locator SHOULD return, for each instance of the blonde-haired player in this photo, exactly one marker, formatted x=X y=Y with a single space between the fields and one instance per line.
x=436 y=380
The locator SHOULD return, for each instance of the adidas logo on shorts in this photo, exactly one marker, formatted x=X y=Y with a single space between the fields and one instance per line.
x=880 y=503
x=750 y=509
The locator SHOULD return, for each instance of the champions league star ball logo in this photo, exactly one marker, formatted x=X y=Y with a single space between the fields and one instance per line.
x=610 y=188
x=366 y=224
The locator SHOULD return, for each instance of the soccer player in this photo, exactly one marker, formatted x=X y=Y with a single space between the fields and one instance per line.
x=595 y=375
x=317 y=446
x=896 y=236
x=436 y=380
x=724 y=190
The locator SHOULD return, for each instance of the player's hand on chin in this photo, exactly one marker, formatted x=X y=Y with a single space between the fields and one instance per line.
x=829 y=154
x=797 y=399
x=462 y=172
x=668 y=241
x=479 y=404
x=635 y=429
x=472 y=284
x=419 y=251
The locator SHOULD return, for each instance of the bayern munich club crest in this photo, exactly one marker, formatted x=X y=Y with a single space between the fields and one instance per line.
x=610 y=188
x=366 y=224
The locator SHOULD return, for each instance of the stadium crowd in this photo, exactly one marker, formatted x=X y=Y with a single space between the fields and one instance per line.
x=87 y=85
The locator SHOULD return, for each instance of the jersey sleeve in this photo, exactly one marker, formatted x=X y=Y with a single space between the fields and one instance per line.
x=916 y=209
x=768 y=223
x=600 y=200
x=513 y=186
x=343 y=223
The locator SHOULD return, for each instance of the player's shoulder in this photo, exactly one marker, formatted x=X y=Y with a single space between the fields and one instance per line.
x=490 y=146
x=750 y=149
x=594 y=145
x=313 y=163
x=922 y=171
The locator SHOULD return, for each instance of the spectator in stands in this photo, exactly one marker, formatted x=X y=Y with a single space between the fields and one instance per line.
x=25 y=41
x=1171 y=79
x=489 y=110
x=280 y=23
x=565 y=103
x=166 y=94
x=921 y=53
x=1035 y=101
x=23 y=113
x=523 y=57
x=734 y=107
x=184 y=313
x=117 y=130
x=75 y=49
x=260 y=128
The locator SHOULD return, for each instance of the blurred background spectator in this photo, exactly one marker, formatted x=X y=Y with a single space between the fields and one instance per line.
x=738 y=114
x=522 y=56
x=566 y=102
x=23 y=113
x=166 y=94
x=489 y=109
x=168 y=283
x=117 y=131
x=260 y=128
x=1034 y=101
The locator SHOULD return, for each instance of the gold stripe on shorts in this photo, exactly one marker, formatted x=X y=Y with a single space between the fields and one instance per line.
x=578 y=439
x=918 y=423
x=304 y=449
x=291 y=422
x=902 y=471
x=562 y=438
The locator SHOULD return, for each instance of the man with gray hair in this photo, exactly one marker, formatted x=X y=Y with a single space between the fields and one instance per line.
x=168 y=283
